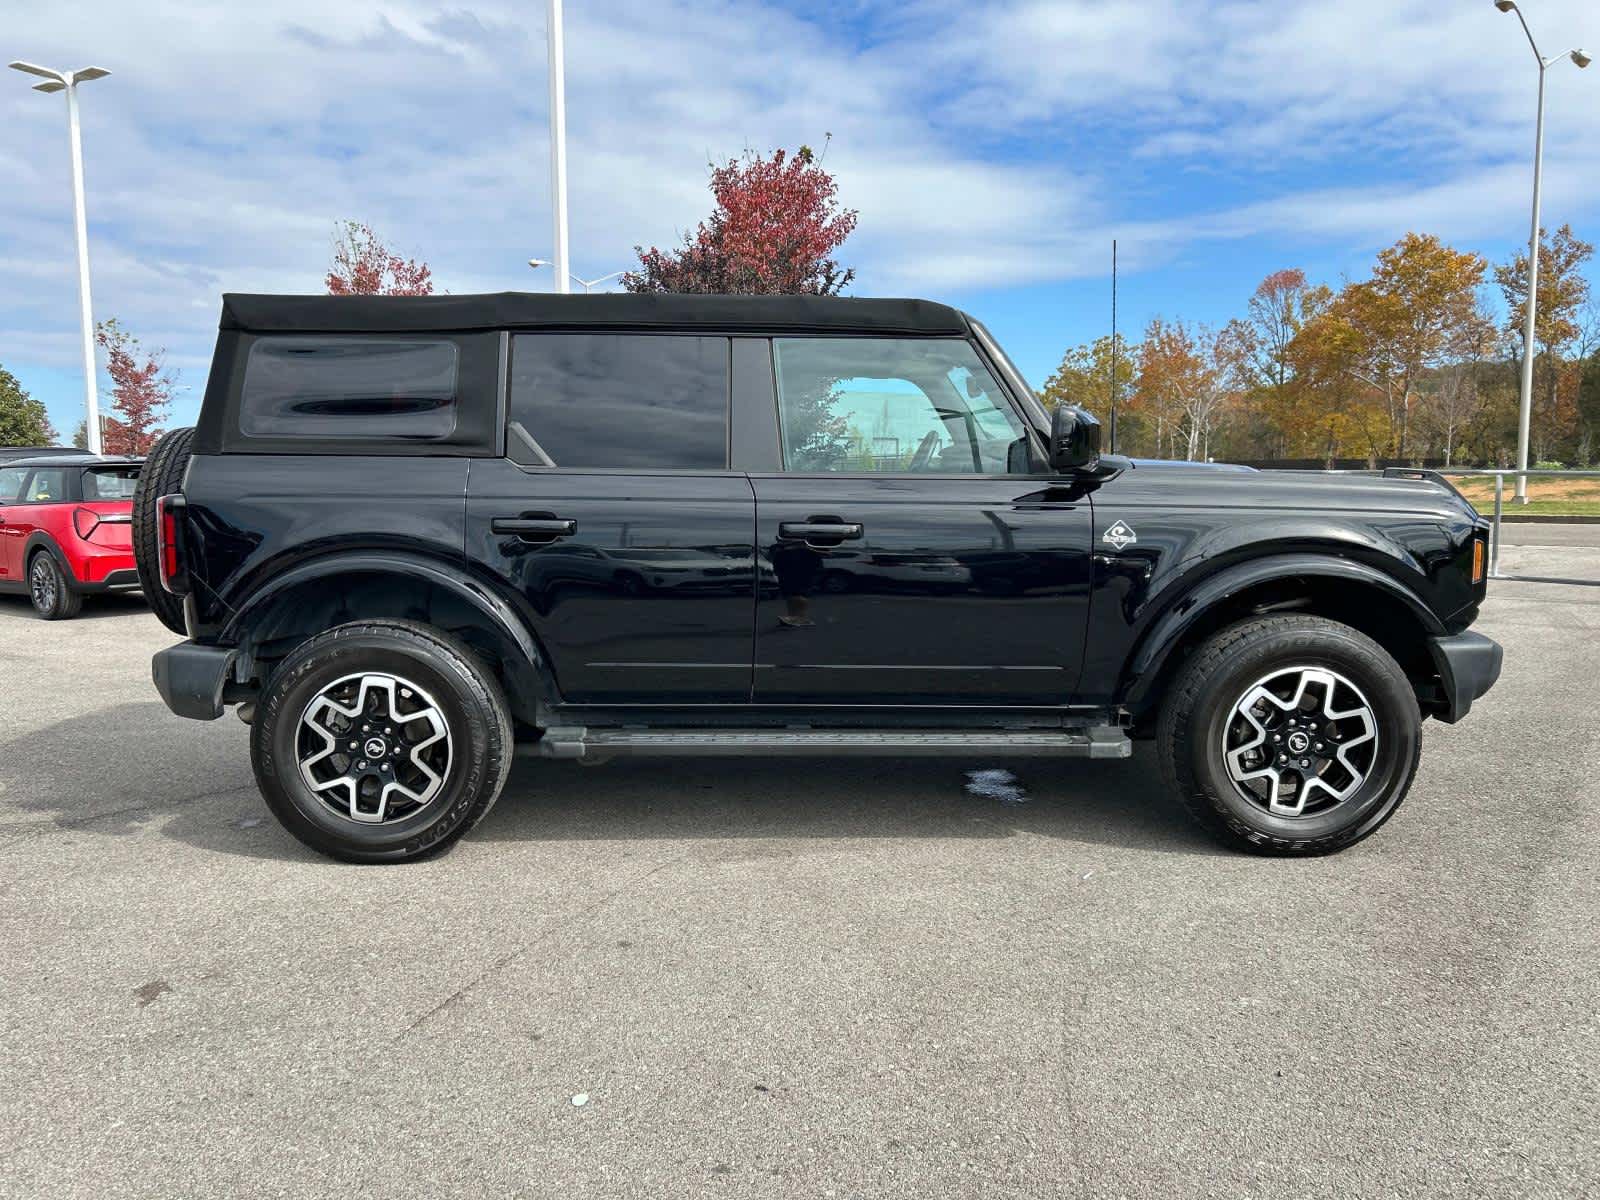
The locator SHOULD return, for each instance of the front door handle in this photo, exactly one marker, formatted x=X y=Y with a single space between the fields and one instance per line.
x=535 y=529
x=818 y=531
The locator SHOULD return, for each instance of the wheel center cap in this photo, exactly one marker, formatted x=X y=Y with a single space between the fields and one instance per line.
x=1298 y=741
x=376 y=747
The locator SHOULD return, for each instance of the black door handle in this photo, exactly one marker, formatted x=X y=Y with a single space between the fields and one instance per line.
x=818 y=530
x=535 y=529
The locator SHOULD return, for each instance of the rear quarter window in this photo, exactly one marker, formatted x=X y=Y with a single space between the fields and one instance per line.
x=350 y=388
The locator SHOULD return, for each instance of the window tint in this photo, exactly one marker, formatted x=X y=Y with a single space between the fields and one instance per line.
x=349 y=387
x=619 y=400
x=880 y=404
x=11 y=483
x=110 y=483
x=48 y=485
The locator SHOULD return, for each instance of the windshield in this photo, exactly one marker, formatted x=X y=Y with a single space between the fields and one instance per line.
x=1015 y=377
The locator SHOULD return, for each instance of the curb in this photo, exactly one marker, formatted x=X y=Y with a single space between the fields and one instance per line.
x=1531 y=519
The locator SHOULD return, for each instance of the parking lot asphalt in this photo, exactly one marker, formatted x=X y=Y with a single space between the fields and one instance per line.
x=797 y=978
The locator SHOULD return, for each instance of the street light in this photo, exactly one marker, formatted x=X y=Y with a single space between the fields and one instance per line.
x=588 y=284
x=1525 y=412
x=558 y=139
x=68 y=81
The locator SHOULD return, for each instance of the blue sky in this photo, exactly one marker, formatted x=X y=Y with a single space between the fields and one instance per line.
x=993 y=149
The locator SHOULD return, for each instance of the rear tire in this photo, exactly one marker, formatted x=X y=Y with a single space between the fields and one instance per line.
x=162 y=475
x=381 y=741
x=50 y=590
x=1318 y=720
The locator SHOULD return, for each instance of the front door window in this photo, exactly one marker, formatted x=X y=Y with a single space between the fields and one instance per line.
x=893 y=406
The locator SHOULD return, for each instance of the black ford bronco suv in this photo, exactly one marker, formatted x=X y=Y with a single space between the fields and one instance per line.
x=411 y=537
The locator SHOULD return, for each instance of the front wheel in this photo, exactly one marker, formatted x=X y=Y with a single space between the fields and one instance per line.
x=1291 y=735
x=381 y=741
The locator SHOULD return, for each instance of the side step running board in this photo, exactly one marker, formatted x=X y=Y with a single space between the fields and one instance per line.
x=576 y=741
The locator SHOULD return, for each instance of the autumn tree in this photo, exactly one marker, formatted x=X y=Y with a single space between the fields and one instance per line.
x=1419 y=310
x=141 y=391
x=363 y=265
x=1563 y=295
x=1334 y=408
x=23 y=420
x=774 y=230
x=1275 y=314
x=1186 y=374
x=1084 y=377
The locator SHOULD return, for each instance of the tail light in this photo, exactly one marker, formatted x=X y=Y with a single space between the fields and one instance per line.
x=169 y=535
x=85 y=521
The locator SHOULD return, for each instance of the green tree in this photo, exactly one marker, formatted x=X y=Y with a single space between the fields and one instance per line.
x=23 y=420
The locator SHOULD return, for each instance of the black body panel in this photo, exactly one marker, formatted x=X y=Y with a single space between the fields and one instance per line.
x=647 y=600
x=957 y=590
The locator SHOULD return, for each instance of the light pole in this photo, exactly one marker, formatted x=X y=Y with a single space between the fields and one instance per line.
x=558 y=140
x=1525 y=410
x=68 y=81
x=588 y=284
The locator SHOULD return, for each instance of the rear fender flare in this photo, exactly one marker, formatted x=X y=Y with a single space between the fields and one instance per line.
x=1189 y=606
x=524 y=666
x=40 y=540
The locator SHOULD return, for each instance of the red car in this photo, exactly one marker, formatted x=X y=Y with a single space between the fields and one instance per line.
x=65 y=529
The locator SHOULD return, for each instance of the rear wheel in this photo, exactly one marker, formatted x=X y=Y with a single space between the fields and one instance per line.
x=1291 y=735
x=50 y=590
x=381 y=741
x=162 y=475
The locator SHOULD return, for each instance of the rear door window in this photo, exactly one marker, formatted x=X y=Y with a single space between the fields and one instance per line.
x=48 y=486
x=623 y=401
x=350 y=388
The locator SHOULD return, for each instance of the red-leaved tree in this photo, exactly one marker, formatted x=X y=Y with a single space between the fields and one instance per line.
x=141 y=390
x=775 y=228
x=364 y=266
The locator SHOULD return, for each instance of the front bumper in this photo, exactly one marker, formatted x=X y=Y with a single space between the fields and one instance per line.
x=193 y=678
x=1468 y=664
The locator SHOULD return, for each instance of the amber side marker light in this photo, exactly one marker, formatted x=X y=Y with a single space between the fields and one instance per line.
x=1478 y=556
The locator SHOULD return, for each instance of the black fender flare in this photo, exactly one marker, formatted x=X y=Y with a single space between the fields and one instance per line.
x=1188 y=606
x=528 y=676
x=38 y=540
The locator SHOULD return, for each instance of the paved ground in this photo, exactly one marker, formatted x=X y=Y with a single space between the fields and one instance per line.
x=796 y=979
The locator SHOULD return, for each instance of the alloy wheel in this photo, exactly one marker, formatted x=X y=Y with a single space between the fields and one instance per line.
x=42 y=584
x=1300 y=741
x=373 y=747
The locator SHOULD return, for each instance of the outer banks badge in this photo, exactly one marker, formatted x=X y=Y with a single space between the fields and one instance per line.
x=1120 y=536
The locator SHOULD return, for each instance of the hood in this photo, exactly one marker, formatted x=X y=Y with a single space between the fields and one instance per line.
x=1418 y=492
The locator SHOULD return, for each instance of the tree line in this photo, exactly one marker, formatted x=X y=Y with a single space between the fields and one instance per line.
x=1408 y=364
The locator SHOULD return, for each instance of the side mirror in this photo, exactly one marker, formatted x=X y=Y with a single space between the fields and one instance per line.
x=1074 y=440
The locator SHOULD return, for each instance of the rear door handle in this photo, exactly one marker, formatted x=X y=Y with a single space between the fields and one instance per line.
x=818 y=530
x=535 y=529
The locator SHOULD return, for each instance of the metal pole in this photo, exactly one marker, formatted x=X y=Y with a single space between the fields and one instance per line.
x=1494 y=541
x=91 y=399
x=1525 y=411
x=1113 y=345
x=558 y=143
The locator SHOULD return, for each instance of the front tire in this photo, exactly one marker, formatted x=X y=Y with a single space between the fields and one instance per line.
x=1290 y=735
x=51 y=592
x=381 y=741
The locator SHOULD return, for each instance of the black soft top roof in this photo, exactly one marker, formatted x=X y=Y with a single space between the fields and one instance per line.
x=521 y=310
